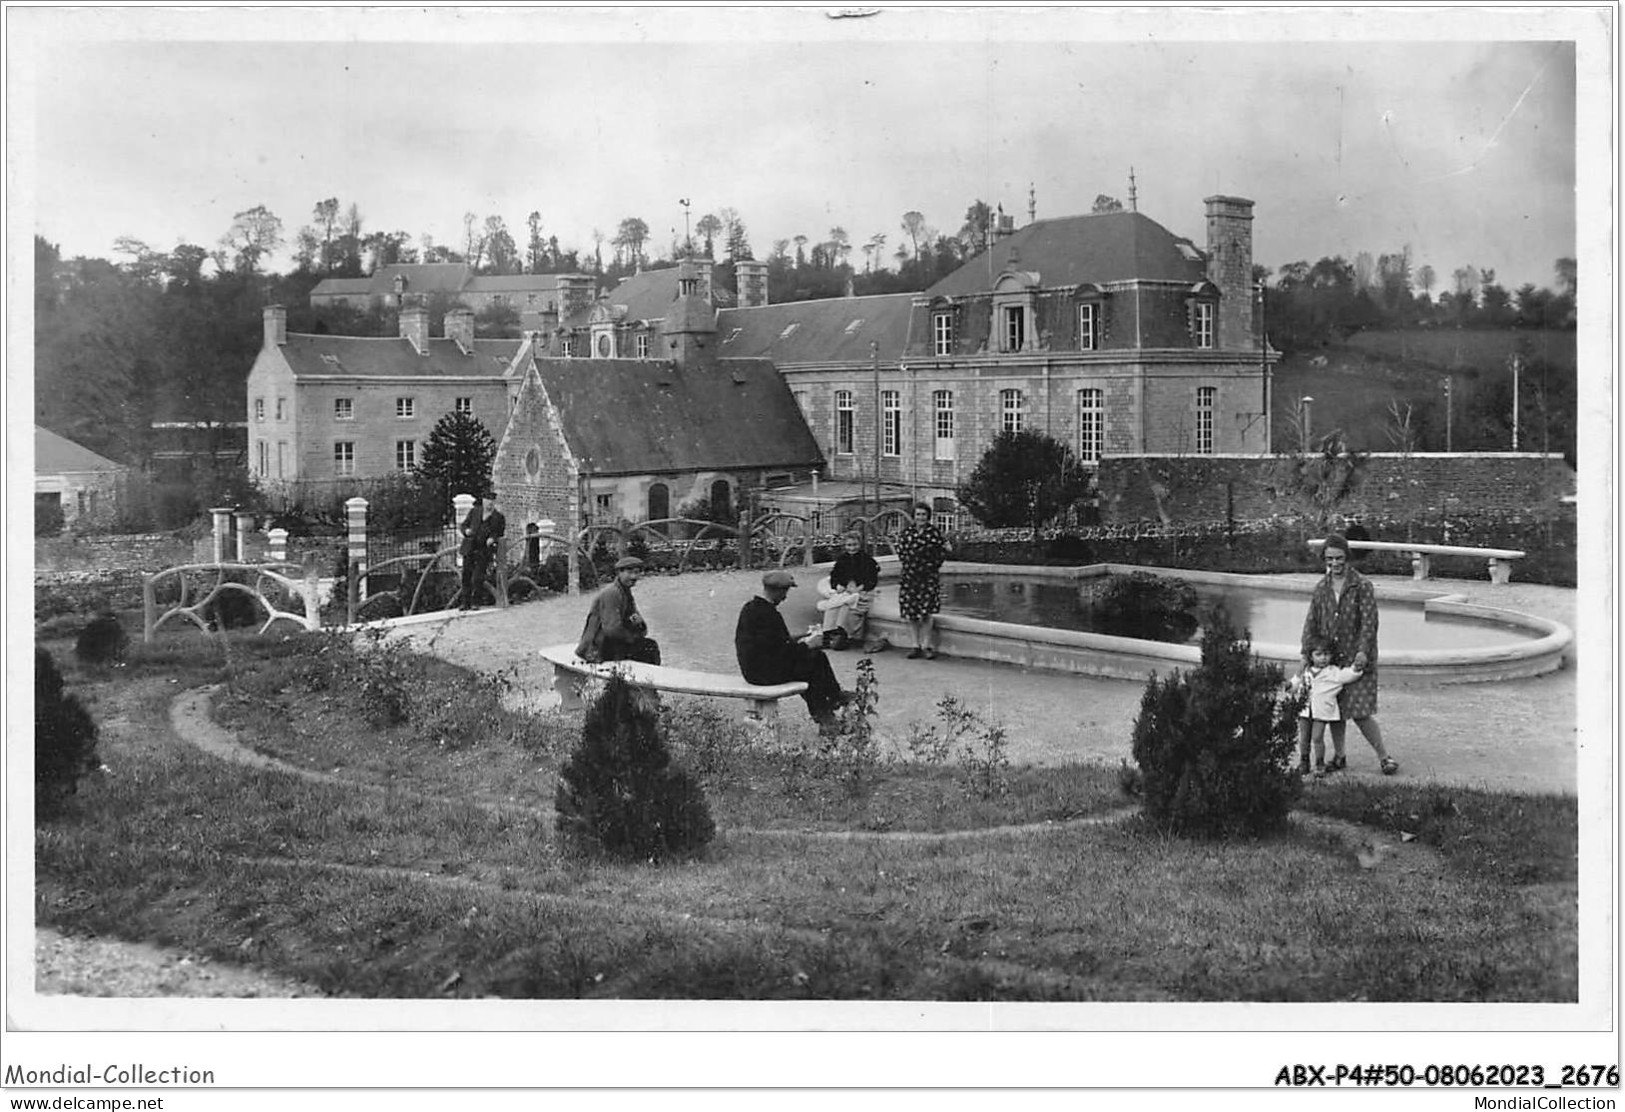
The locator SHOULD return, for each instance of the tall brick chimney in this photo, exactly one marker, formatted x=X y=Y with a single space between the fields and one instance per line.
x=1230 y=267
x=415 y=327
x=460 y=327
x=750 y=281
x=276 y=326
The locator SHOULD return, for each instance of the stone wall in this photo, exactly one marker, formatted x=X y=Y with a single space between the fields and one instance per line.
x=1394 y=487
x=135 y=552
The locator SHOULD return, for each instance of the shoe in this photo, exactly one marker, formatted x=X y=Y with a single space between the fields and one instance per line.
x=915 y=655
x=1303 y=768
x=1320 y=772
x=1337 y=763
x=930 y=654
x=1389 y=766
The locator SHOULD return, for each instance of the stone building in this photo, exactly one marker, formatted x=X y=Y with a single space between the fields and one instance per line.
x=543 y=301
x=328 y=410
x=1108 y=332
x=69 y=477
x=604 y=440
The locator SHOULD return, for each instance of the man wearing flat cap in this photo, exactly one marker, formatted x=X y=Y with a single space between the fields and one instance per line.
x=768 y=654
x=615 y=630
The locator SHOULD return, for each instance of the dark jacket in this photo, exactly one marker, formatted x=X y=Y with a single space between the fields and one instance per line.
x=613 y=625
x=767 y=653
x=856 y=569
x=480 y=532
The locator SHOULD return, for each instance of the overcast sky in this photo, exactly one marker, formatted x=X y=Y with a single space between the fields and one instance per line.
x=1454 y=134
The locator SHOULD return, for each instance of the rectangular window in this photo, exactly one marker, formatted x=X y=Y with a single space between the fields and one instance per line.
x=1204 y=324
x=1012 y=411
x=844 y=420
x=344 y=457
x=1205 y=396
x=891 y=423
x=603 y=504
x=464 y=406
x=282 y=409
x=343 y=409
x=942 y=402
x=259 y=409
x=264 y=456
x=642 y=347
x=406 y=455
x=1015 y=327
x=406 y=407
x=1087 y=337
x=281 y=459
x=942 y=333
x=944 y=514
x=1091 y=424
x=567 y=347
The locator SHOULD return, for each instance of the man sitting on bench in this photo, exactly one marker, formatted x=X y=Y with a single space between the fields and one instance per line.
x=768 y=654
x=615 y=630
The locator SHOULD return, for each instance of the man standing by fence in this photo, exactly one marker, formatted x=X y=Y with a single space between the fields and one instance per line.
x=482 y=531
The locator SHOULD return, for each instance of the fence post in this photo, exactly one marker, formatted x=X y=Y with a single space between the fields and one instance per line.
x=744 y=541
x=245 y=525
x=355 y=519
x=461 y=506
x=278 y=550
x=807 y=536
x=572 y=565
x=222 y=529
x=313 y=601
x=149 y=607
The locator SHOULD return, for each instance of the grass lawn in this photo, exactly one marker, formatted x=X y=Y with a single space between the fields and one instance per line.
x=418 y=860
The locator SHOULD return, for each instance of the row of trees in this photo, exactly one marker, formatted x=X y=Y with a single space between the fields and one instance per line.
x=1307 y=304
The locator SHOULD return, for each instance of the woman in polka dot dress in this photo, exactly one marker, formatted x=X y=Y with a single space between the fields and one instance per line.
x=921 y=547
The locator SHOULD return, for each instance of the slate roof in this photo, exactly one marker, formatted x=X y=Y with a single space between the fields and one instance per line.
x=642 y=417
x=646 y=295
x=394 y=357
x=57 y=455
x=522 y=282
x=1070 y=250
x=824 y=330
x=342 y=287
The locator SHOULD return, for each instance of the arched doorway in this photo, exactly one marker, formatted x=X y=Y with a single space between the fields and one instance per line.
x=659 y=501
x=722 y=500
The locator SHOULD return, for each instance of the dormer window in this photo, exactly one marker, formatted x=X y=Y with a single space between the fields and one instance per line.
x=1014 y=305
x=1015 y=328
x=942 y=333
x=1202 y=324
x=788 y=329
x=852 y=328
x=1088 y=326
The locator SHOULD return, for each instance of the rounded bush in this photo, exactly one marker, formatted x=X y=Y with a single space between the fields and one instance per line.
x=64 y=739
x=379 y=608
x=102 y=641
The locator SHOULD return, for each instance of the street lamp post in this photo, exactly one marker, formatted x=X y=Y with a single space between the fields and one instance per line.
x=1517 y=365
x=1449 y=416
x=1304 y=403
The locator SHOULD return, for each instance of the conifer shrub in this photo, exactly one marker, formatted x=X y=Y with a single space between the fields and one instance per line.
x=1215 y=745
x=102 y=641
x=233 y=608
x=619 y=794
x=64 y=739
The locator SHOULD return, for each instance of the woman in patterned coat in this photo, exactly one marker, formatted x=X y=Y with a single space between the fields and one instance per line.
x=1343 y=611
x=921 y=547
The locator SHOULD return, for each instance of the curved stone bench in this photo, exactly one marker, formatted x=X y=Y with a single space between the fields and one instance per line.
x=1499 y=559
x=570 y=672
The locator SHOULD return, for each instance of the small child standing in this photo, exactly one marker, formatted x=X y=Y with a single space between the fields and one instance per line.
x=1323 y=682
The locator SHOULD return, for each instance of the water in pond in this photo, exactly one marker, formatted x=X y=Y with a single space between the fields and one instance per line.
x=1274 y=617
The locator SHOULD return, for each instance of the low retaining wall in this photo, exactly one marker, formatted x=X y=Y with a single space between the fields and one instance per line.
x=1097 y=654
